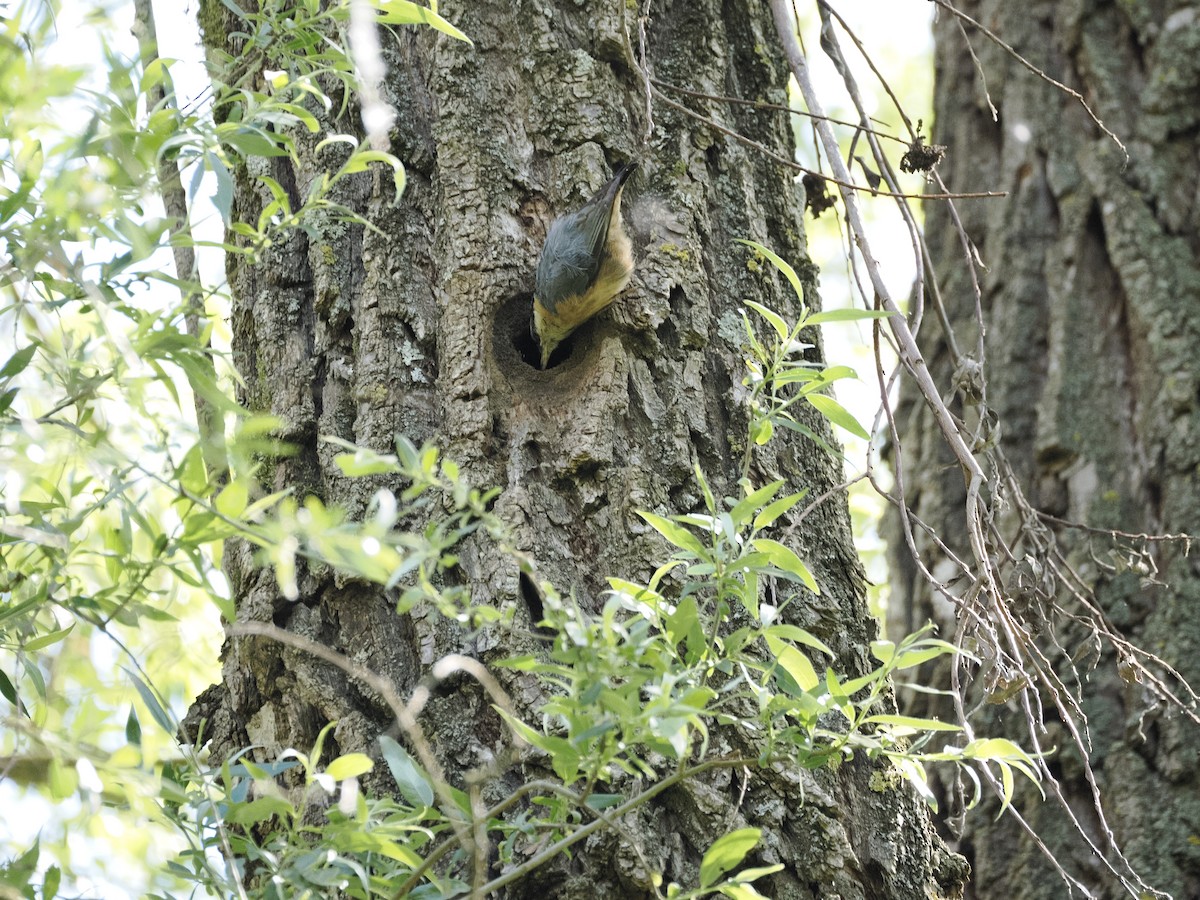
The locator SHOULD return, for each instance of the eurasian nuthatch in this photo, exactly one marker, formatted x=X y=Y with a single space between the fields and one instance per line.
x=587 y=260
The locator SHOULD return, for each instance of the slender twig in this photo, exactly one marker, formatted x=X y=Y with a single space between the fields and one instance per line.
x=843 y=179
x=1116 y=534
x=405 y=712
x=1008 y=48
x=551 y=787
x=570 y=840
x=647 y=79
x=962 y=29
x=827 y=30
x=909 y=352
x=161 y=95
x=762 y=104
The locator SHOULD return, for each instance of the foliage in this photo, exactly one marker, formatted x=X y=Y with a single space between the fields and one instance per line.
x=780 y=377
x=93 y=445
x=111 y=521
x=114 y=522
x=634 y=695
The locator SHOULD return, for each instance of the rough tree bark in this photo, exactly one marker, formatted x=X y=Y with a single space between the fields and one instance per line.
x=424 y=332
x=1091 y=299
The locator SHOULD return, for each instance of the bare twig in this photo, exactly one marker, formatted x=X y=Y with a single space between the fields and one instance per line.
x=632 y=803
x=1008 y=48
x=644 y=63
x=842 y=179
x=978 y=68
x=984 y=611
x=209 y=420
x=909 y=352
x=763 y=104
x=1117 y=534
x=827 y=33
x=405 y=712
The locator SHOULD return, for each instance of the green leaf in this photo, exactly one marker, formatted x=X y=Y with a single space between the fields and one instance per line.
x=676 y=732
x=232 y=500
x=603 y=801
x=908 y=659
x=34 y=673
x=830 y=374
x=160 y=715
x=813 y=379
x=795 y=663
x=800 y=636
x=360 y=161
x=564 y=757
x=782 y=266
x=785 y=558
x=415 y=786
x=777 y=508
x=366 y=842
x=848 y=315
x=748 y=875
x=404 y=12
x=51 y=882
x=249 y=141
x=255 y=771
x=637 y=592
x=996 y=748
x=912 y=723
x=683 y=626
x=303 y=115
x=524 y=663
x=727 y=852
x=46 y=640
x=18 y=361
x=739 y=891
x=349 y=765
x=259 y=810
x=675 y=533
x=62 y=780
x=762 y=431
x=20 y=609
x=20 y=871
x=191 y=473
x=838 y=695
x=884 y=651
x=318 y=747
x=133 y=728
x=837 y=414
x=1006 y=777
x=7 y=688
x=774 y=318
x=753 y=502
x=366 y=462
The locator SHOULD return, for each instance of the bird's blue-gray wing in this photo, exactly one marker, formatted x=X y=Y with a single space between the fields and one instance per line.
x=571 y=255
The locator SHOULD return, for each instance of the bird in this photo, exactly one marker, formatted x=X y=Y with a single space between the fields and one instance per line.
x=586 y=261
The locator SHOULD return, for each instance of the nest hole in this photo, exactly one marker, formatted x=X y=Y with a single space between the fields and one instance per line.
x=513 y=337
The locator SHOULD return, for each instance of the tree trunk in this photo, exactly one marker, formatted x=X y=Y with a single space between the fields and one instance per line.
x=1090 y=299
x=423 y=331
